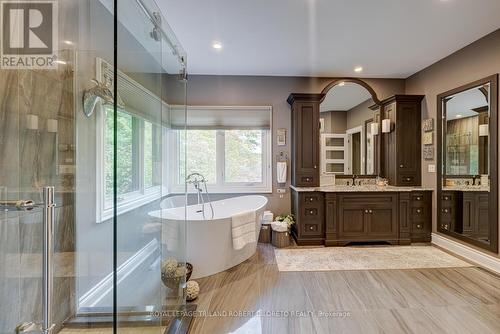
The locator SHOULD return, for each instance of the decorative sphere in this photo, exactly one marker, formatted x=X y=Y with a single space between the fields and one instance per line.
x=169 y=267
x=180 y=271
x=192 y=290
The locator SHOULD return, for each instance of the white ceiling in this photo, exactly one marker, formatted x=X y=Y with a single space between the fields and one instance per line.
x=461 y=104
x=344 y=98
x=389 y=38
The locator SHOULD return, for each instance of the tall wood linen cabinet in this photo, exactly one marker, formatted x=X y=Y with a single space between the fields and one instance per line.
x=400 y=160
x=305 y=139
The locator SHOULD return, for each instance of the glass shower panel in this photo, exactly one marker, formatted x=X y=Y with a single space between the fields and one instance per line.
x=37 y=150
x=50 y=138
x=145 y=59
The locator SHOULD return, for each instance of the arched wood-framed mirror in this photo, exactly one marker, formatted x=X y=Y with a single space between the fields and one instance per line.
x=349 y=145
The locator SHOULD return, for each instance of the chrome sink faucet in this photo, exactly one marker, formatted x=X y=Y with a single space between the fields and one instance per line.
x=354 y=177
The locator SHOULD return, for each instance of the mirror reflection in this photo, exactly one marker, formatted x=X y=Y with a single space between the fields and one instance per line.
x=466 y=164
x=467 y=132
x=347 y=145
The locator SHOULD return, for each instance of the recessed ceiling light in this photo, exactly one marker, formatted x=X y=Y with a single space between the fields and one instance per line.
x=458 y=116
x=217 y=45
x=358 y=69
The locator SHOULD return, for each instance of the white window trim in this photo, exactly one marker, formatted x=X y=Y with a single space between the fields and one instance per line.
x=178 y=186
x=132 y=200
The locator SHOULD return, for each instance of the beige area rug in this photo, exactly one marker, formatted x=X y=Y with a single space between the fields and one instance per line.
x=364 y=258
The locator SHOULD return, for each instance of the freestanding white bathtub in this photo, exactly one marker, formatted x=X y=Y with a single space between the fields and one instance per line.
x=209 y=245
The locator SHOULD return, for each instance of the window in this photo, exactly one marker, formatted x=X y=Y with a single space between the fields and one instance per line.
x=233 y=161
x=138 y=162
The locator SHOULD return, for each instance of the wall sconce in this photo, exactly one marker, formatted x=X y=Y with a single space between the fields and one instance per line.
x=52 y=125
x=484 y=130
x=374 y=129
x=386 y=125
x=32 y=122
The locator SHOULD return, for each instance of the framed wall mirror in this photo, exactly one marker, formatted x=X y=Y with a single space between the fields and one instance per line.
x=348 y=146
x=467 y=163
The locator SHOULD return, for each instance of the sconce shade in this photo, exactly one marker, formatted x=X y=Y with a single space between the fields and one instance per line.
x=52 y=125
x=484 y=130
x=32 y=122
x=386 y=125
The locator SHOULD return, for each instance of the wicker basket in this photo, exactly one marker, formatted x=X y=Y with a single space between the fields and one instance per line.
x=174 y=282
x=281 y=239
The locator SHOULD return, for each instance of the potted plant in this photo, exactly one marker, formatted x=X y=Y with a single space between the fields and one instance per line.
x=289 y=219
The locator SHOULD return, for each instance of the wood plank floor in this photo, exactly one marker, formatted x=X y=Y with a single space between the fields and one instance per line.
x=450 y=300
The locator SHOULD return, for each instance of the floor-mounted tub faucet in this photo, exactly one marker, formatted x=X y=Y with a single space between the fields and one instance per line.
x=196 y=179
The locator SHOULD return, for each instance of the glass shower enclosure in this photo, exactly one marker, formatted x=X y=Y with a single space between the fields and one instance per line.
x=86 y=89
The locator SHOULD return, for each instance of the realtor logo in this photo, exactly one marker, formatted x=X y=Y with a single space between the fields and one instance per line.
x=29 y=34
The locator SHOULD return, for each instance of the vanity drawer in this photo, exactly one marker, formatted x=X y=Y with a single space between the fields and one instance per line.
x=307 y=180
x=447 y=197
x=311 y=229
x=418 y=227
x=419 y=212
x=310 y=212
x=405 y=179
x=419 y=199
x=312 y=199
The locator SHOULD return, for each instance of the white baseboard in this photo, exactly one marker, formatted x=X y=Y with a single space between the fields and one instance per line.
x=485 y=260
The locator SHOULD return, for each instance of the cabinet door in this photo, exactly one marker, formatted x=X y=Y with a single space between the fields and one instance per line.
x=307 y=141
x=352 y=222
x=382 y=222
x=408 y=138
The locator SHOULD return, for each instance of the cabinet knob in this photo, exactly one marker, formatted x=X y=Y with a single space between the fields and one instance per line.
x=366 y=211
x=445 y=210
x=311 y=212
x=418 y=210
x=419 y=226
x=315 y=166
x=311 y=227
x=446 y=198
x=408 y=179
x=311 y=199
x=370 y=211
x=445 y=226
x=418 y=198
x=401 y=166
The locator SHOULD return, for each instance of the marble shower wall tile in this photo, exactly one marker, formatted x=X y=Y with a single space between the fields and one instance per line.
x=10 y=287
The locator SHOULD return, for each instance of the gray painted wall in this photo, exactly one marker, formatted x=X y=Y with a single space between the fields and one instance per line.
x=359 y=114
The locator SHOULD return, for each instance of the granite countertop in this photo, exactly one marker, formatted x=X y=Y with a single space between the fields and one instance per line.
x=467 y=188
x=362 y=188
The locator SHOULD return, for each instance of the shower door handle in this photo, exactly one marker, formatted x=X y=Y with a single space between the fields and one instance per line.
x=49 y=211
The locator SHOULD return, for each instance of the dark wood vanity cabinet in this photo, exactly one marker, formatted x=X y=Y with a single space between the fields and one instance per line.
x=305 y=136
x=308 y=209
x=337 y=219
x=466 y=212
x=401 y=148
x=367 y=217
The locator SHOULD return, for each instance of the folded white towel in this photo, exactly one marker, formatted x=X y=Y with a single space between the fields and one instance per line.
x=281 y=172
x=243 y=229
